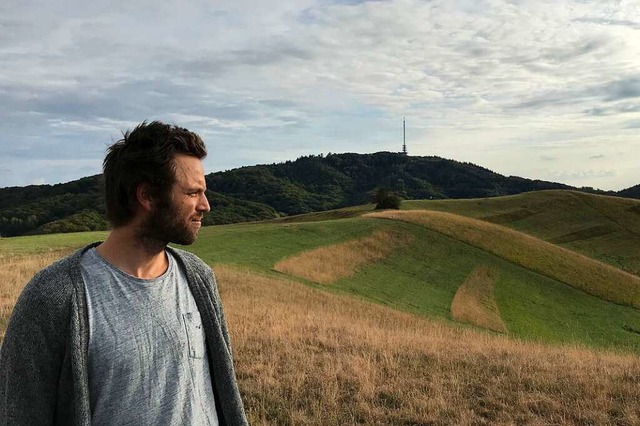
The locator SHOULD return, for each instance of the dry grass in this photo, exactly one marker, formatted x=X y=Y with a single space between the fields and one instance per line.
x=326 y=265
x=569 y=267
x=15 y=272
x=308 y=357
x=474 y=303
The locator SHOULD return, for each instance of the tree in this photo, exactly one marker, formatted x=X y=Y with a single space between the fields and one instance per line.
x=386 y=199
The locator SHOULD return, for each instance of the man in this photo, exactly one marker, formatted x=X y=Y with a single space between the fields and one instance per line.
x=128 y=331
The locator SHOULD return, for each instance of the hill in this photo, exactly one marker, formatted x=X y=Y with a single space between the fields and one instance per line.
x=602 y=227
x=312 y=183
x=547 y=259
x=308 y=184
x=316 y=183
x=633 y=192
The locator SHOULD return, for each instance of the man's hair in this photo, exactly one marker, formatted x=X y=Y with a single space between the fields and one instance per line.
x=144 y=155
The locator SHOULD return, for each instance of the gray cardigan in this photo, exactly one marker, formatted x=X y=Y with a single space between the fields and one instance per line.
x=43 y=359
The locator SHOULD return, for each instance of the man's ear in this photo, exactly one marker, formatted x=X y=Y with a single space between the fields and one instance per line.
x=143 y=195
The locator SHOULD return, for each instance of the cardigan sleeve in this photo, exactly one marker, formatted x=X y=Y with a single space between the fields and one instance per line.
x=219 y=311
x=32 y=352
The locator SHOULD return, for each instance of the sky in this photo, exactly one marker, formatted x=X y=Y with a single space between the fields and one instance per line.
x=534 y=88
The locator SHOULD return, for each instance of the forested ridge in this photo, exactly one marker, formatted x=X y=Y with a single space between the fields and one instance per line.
x=633 y=192
x=310 y=183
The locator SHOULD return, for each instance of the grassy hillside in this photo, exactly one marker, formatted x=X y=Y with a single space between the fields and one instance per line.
x=578 y=271
x=602 y=227
x=424 y=277
x=39 y=244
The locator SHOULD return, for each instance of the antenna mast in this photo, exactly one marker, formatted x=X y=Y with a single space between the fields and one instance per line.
x=404 y=139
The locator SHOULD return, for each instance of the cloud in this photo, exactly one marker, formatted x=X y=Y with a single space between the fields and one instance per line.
x=623 y=89
x=29 y=172
x=614 y=109
x=604 y=22
x=582 y=175
x=606 y=94
x=597 y=157
x=632 y=124
x=219 y=64
x=576 y=49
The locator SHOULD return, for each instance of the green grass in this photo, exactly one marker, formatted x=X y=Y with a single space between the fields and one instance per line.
x=569 y=267
x=48 y=242
x=423 y=278
x=262 y=245
x=343 y=213
x=604 y=228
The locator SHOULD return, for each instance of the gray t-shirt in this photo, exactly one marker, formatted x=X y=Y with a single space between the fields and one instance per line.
x=148 y=361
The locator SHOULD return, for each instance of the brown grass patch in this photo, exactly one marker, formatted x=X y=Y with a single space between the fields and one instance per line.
x=326 y=265
x=474 y=303
x=569 y=267
x=15 y=272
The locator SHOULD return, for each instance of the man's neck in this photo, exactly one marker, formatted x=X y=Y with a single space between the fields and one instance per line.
x=137 y=257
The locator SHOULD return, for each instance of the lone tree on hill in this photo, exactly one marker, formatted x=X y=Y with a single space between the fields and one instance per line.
x=386 y=199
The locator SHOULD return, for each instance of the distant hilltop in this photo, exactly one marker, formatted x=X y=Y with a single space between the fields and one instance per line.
x=310 y=183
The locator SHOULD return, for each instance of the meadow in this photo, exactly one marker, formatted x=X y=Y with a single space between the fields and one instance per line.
x=355 y=320
x=602 y=227
x=558 y=263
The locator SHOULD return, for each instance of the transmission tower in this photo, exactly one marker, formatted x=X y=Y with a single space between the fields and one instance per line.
x=404 y=138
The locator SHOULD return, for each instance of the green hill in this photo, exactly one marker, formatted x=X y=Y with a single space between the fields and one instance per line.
x=604 y=228
x=566 y=266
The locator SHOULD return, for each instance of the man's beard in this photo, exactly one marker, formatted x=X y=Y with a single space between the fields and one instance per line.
x=164 y=226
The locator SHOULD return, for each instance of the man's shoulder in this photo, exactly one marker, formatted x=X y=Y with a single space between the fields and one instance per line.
x=56 y=282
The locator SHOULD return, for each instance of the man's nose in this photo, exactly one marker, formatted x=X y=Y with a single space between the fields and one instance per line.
x=203 y=205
